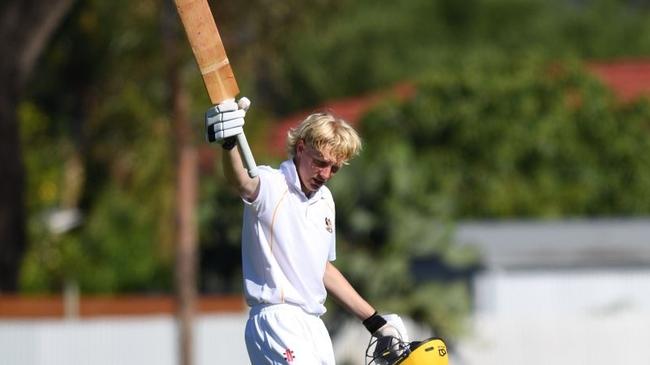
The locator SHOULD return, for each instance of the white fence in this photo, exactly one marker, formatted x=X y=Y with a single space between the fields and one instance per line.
x=120 y=341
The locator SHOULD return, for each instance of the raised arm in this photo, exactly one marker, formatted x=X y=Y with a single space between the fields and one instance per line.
x=224 y=125
x=237 y=175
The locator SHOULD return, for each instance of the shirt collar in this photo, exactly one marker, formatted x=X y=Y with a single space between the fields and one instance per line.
x=290 y=173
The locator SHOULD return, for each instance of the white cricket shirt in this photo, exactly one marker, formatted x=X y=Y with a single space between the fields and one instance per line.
x=287 y=240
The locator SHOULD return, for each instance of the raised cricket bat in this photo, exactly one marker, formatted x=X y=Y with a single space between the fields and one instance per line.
x=213 y=63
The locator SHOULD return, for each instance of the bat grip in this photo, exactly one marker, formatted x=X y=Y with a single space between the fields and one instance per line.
x=247 y=155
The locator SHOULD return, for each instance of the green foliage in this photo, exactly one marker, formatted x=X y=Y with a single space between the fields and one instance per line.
x=220 y=221
x=115 y=253
x=100 y=100
x=532 y=138
x=36 y=127
x=525 y=138
x=361 y=45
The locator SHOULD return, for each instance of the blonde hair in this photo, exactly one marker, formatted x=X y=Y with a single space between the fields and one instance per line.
x=325 y=132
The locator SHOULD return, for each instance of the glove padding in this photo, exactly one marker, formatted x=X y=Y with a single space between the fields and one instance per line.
x=391 y=338
x=394 y=327
x=226 y=120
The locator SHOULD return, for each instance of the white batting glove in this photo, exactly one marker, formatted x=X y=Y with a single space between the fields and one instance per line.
x=391 y=337
x=225 y=121
x=390 y=333
x=394 y=327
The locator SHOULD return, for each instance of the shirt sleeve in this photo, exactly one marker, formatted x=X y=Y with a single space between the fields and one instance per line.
x=268 y=190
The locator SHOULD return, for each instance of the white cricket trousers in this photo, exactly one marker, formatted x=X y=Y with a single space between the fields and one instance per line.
x=285 y=334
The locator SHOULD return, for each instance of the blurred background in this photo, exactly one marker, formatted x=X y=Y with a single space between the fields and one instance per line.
x=502 y=199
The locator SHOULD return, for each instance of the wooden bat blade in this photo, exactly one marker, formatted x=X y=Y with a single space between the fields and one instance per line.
x=208 y=49
x=213 y=63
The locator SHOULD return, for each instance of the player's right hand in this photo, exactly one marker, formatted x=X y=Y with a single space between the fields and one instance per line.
x=226 y=121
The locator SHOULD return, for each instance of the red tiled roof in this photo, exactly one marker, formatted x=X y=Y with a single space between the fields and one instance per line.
x=629 y=79
x=350 y=109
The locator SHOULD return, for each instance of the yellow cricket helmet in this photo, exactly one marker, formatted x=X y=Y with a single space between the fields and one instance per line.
x=383 y=351
x=430 y=352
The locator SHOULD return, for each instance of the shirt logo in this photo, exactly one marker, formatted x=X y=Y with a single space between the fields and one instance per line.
x=288 y=355
x=328 y=225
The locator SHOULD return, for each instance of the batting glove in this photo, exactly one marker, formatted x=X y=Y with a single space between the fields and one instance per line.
x=390 y=332
x=394 y=327
x=224 y=122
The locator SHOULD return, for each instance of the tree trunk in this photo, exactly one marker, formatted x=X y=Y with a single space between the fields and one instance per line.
x=25 y=28
x=186 y=188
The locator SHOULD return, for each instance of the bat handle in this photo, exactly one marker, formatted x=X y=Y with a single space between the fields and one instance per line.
x=247 y=155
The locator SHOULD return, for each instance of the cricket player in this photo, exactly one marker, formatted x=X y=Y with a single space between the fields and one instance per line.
x=288 y=239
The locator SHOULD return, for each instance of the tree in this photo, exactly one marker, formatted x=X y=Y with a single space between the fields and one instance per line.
x=186 y=186
x=25 y=28
x=482 y=139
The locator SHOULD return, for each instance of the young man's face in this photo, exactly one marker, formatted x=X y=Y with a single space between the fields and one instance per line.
x=314 y=167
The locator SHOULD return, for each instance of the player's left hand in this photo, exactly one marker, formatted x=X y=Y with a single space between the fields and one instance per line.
x=391 y=336
x=394 y=327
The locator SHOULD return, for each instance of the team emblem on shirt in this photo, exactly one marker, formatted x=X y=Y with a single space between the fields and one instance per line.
x=288 y=355
x=328 y=225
